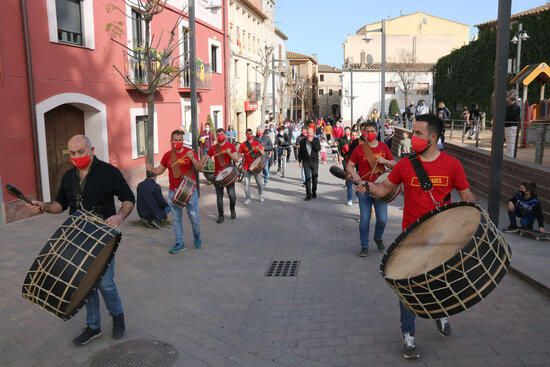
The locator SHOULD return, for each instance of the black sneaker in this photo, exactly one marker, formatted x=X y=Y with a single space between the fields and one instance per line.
x=443 y=326
x=233 y=214
x=510 y=229
x=409 y=347
x=380 y=245
x=149 y=223
x=308 y=198
x=88 y=334
x=220 y=219
x=364 y=252
x=119 y=329
x=314 y=195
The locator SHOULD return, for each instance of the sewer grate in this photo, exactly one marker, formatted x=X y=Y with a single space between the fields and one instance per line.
x=283 y=268
x=136 y=353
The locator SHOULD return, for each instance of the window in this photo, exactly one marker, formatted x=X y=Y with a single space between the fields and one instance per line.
x=185 y=55
x=141 y=135
x=236 y=71
x=389 y=89
x=321 y=92
x=214 y=61
x=69 y=21
x=423 y=88
x=322 y=77
x=217 y=116
x=138 y=43
x=340 y=92
x=215 y=56
x=216 y=119
x=330 y=92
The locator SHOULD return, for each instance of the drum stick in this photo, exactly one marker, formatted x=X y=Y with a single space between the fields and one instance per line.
x=17 y=193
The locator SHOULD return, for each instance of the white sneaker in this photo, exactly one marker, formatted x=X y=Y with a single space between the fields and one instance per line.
x=350 y=203
x=262 y=198
x=246 y=202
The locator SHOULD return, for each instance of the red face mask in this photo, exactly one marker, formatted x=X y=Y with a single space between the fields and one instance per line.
x=369 y=136
x=177 y=145
x=81 y=162
x=249 y=137
x=419 y=145
x=259 y=134
x=221 y=137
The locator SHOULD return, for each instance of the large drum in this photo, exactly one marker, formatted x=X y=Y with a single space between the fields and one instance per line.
x=71 y=264
x=447 y=261
x=227 y=176
x=184 y=192
x=392 y=195
x=257 y=166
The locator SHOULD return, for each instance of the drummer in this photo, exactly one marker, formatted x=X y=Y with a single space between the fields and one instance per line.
x=251 y=149
x=371 y=157
x=224 y=154
x=446 y=173
x=99 y=182
x=181 y=162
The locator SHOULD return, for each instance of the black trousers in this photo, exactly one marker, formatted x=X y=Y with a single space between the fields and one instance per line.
x=311 y=173
x=230 y=193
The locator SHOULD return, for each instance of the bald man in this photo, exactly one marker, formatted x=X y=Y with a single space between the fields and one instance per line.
x=99 y=183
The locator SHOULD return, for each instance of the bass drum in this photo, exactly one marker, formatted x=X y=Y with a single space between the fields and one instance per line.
x=392 y=195
x=257 y=166
x=184 y=192
x=71 y=264
x=227 y=176
x=447 y=261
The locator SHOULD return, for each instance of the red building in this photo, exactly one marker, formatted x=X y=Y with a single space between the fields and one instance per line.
x=65 y=76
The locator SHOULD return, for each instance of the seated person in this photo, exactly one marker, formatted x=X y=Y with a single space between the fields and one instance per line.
x=151 y=206
x=527 y=207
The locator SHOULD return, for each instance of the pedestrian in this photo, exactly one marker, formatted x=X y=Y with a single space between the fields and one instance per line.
x=466 y=117
x=302 y=136
x=475 y=116
x=206 y=139
x=525 y=205
x=344 y=150
x=437 y=164
x=404 y=148
x=295 y=134
x=338 y=131
x=250 y=150
x=308 y=158
x=181 y=163
x=371 y=157
x=389 y=132
x=231 y=134
x=444 y=114
x=151 y=206
x=99 y=182
x=266 y=142
x=421 y=108
x=282 y=143
x=225 y=155
x=511 y=122
x=324 y=150
x=328 y=132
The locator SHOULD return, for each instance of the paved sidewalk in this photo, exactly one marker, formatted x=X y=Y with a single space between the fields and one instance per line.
x=217 y=308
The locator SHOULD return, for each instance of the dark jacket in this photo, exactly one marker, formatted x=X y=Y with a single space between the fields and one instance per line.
x=265 y=140
x=528 y=207
x=513 y=114
x=150 y=202
x=282 y=141
x=304 y=157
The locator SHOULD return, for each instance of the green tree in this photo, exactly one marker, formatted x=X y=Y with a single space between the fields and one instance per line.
x=394 y=108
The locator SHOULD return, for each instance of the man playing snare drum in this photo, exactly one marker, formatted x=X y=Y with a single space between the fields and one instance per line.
x=446 y=173
x=180 y=162
x=251 y=149
x=99 y=182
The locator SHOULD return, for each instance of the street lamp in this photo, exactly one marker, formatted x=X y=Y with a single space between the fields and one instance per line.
x=517 y=40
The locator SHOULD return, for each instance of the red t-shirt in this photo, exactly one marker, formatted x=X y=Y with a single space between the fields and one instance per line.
x=223 y=160
x=446 y=174
x=249 y=158
x=186 y=167
x=359 y=157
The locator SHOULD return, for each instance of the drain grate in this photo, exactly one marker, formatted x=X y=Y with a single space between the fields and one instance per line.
x=133 y=353
x=283 y=268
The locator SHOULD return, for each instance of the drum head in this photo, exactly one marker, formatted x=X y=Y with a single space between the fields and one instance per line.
x=433 y=242
x=223 y=174
x=382 y=177
x=255 y=163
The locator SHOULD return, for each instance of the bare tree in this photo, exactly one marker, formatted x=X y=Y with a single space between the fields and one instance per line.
x=405 y=65
x=155 y=63
x=266 y=55
x=299 y=90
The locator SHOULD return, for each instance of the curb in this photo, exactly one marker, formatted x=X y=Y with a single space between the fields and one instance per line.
x=530 y=281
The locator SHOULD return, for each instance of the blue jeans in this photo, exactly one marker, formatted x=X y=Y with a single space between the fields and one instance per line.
x=303 y=175
x=526 y=220
x=266 y=168
x=407 y=319
x=108 y=290
x=192 y=208
x=349 y=186
x=366 y=202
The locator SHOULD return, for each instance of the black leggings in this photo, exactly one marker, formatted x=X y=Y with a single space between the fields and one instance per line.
x=230 y=193
x=311 y=172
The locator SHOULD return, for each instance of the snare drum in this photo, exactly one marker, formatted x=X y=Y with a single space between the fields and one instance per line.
x=447 y=261
x=184 y=192
x=71 y=264
x=257 y=166
x=228 y=176
x=392 y=195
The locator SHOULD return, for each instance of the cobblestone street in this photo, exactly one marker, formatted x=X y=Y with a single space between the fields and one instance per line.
x=218 y=309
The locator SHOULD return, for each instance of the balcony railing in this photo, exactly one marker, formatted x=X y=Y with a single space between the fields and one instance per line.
x=204 y=77
x=254 y=91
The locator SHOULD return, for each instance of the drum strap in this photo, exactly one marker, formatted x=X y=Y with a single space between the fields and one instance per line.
x=424 y=179
x=254 y=155
x=367 y=150
x=175 y=167
x=220 y=157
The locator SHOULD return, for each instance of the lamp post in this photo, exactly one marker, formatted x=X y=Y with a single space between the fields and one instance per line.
x=517 y=40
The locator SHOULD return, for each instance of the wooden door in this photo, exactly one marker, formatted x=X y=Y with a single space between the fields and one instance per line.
x=62 y=123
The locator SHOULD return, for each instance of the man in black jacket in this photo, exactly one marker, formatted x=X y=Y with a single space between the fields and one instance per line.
x=151 y=205
x=282 y=142
x=308 y=158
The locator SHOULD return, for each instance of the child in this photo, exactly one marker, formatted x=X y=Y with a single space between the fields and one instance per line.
x=324 y=147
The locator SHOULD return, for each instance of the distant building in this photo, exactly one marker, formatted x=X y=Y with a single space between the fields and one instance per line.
x=303 y=84
x=330 y=90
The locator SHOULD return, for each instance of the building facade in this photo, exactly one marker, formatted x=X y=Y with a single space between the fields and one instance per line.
x=303 y=86
x=330 y=90
x=73 y=88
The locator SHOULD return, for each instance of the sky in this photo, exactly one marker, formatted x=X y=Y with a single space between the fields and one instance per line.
x=321 y=26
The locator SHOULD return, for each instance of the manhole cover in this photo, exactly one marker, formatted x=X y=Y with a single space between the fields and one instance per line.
x=136 y=353
x=283 y=268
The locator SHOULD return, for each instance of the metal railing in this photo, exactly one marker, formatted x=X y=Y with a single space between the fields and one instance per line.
x=254 y=92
